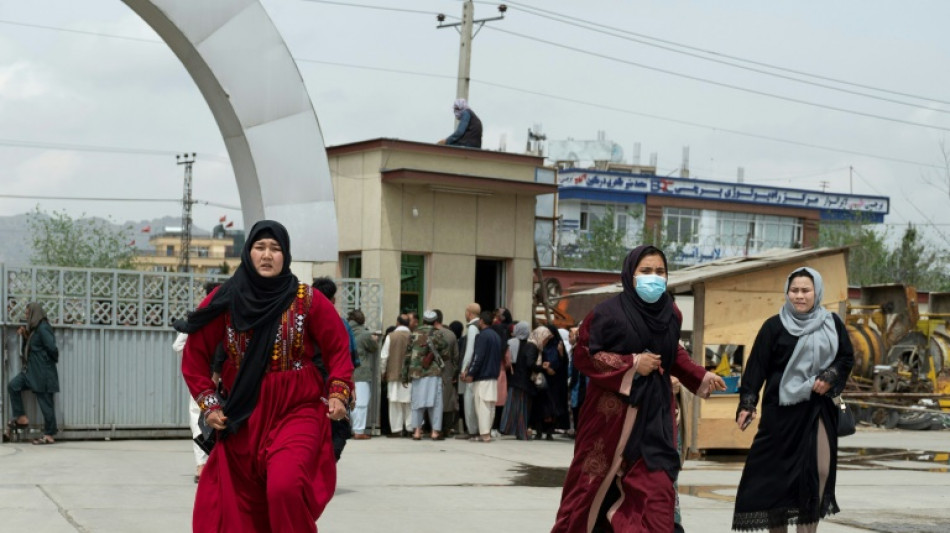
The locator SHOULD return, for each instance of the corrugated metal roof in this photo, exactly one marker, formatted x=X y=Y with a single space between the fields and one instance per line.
x=682 y=281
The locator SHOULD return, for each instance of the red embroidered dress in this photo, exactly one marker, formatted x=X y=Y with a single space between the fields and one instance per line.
x=277 y=473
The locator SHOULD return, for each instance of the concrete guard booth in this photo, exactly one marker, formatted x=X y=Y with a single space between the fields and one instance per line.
x=439 y=226
x=729 y=299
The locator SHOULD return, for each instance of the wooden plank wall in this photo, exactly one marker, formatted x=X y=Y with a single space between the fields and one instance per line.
x=736 y=307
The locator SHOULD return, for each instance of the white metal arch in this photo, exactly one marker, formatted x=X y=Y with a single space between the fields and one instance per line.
x=242 y=66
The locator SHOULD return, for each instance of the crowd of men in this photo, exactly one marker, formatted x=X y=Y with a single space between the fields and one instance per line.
x=438 y=379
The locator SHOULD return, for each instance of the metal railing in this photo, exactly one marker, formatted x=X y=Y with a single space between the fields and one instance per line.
x=118 y=375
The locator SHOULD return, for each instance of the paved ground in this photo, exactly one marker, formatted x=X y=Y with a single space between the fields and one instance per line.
x=401 y=485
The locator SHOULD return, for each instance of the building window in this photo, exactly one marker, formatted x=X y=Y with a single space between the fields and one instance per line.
x=170 y=251
x=353 y=266
x=735 y=229
x=622 y=222
x=412 y=283
x=592 y=214
x=749 y=233
x=778 y=232
x=200 y=251
x=681 y=225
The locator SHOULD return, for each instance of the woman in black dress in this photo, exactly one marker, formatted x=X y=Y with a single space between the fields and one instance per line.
x=803 y=356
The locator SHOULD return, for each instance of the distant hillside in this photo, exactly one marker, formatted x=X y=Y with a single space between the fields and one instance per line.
x=14 y=239
x=15 y=235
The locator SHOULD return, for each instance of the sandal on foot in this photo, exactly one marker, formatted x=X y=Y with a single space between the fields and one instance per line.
x=43 y=441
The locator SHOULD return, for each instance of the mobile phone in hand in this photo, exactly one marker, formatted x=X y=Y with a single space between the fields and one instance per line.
x=748 y=421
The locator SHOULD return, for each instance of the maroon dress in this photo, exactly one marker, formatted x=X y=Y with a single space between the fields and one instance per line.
x=638 y=498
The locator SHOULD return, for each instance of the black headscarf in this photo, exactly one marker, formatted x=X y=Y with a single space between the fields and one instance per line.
x=255 y=303
x=654 y=327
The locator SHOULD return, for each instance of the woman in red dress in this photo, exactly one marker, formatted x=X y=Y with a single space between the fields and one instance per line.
x=272 y=469
x=625 y=458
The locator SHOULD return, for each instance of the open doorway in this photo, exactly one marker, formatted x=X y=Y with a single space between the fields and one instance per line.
x=490 y=289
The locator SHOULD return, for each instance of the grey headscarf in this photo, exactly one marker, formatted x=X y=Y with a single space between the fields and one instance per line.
x=519 y=333
x=816 y=347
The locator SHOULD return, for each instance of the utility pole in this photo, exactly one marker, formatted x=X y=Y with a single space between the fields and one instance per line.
x=824 y=185
x=184 y=256
x=465 y=27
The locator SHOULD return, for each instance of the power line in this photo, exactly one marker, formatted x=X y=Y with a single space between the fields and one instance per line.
x=81 y=32
x=713 y=82
x=719 y=54
x=163 y=153
x=112 y=199
x=631 y=63
x=805 y=175
x=374 y=7
x=728 y=63
x=929 y=221
x=377 y=69
x=640 y=114
x=680 y=74
x=99 y=148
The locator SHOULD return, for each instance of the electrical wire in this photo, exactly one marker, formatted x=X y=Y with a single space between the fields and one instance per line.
x=602 y=56
x=710 y=127
x=734 y=65
x=680 y=74
x=378 y=8
x=929 y=221
x=720 y=54
x=377 y=69
x=106 y=149
x=81 y=32
x=804 y=175
x=642 y=114
x=107 y=199
x=713 y=82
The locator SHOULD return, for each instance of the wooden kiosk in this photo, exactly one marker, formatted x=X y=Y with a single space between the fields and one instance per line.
x=731 y=300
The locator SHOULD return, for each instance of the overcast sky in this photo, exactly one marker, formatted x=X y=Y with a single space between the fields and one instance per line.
x=92 y=75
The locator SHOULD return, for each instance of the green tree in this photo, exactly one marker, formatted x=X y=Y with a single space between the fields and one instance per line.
x=869 y=256
x=60 y=240
x=872 y=261
x=603 y=247
x=914 y=263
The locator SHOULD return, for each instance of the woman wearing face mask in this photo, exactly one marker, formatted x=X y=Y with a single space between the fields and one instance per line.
x=272 y=468
x=625 y=459
x=803 y=356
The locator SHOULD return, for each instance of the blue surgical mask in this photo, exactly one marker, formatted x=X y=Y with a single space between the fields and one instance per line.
x=650 y=287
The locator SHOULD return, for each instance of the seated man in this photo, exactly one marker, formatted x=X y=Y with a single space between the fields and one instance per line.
x=469 y=130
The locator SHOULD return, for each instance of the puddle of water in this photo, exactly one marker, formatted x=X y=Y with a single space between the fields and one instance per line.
x=722 y=493
x=539 y=476
x=877 y=458
x=887 y=458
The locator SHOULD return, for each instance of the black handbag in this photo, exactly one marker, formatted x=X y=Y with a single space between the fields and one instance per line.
x=846 y=422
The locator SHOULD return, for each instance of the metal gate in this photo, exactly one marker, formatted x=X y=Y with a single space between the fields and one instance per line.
x=118 y=375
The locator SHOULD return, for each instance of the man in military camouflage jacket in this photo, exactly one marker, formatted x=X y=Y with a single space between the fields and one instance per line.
x=423 y=366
